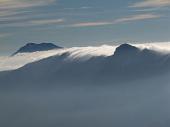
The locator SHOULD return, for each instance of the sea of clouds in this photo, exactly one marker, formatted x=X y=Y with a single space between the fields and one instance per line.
x=75 y=53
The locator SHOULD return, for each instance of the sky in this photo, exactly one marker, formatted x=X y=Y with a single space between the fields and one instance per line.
x=70 y=23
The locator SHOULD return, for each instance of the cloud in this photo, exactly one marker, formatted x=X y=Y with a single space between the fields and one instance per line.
x=18 y=13
x=46 y=21
x=79 y=8
x=86 y=24
x=12 y=7
x=80 y=53
x=29 y=22
x=116 y=21
x=137 y=17
x=4 y=13
x=18 y=4
x=162 y=47
x=2 y=35
x=151 y=3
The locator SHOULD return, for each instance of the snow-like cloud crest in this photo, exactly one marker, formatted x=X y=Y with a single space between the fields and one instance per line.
x=81 y=53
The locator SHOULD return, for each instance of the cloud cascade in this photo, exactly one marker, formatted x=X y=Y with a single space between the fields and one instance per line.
x=81 y=53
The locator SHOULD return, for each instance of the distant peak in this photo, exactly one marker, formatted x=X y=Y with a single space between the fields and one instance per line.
x=125 y=48
x=33 y=47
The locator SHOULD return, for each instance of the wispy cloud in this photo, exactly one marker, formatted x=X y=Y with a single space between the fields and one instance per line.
x=46 y=21
x=138 y=17
x=17 y=4
x=31 y=22
x=19 y=13
x=79 y=8
x=117 y=21
x=85 y=24
x=151 y=3
x=11 y=7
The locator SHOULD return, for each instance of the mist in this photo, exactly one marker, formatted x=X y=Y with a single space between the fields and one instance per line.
x=140 y=103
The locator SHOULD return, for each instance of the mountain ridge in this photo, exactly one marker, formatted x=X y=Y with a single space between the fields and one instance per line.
x=125 y=65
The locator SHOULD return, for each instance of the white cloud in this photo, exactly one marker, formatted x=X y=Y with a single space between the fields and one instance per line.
x=163 y=47
x=86 y=24
x=81 y=53
x=46 y=21
x=151 y=3
x=137 y=17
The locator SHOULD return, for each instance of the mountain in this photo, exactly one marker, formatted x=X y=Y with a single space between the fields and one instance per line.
x=33 y=47
x=126 y=49
x=128 y=63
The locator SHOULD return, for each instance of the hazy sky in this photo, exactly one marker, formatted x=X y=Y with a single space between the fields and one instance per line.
x=82 y=22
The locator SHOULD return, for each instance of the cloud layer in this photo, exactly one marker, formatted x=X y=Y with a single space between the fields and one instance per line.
x=75 y=53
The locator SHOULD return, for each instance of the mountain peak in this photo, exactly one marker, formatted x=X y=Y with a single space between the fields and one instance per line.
x=33 y=47
x=126 y=48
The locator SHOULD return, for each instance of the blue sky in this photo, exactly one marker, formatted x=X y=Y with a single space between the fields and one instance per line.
x=82 y=22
